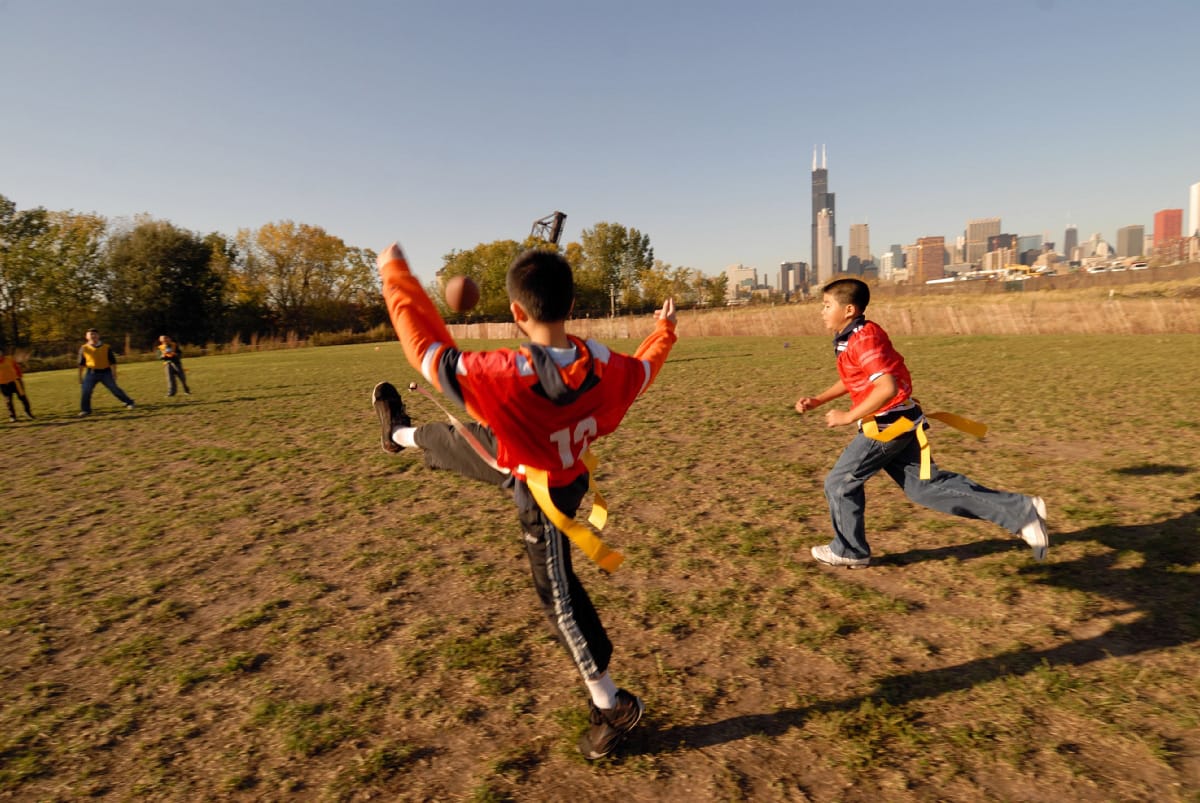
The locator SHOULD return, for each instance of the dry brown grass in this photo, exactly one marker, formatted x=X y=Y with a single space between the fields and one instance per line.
x=238 y=596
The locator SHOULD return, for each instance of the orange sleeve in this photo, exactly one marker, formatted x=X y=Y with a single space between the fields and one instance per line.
x=420 y=328
x=655 y=348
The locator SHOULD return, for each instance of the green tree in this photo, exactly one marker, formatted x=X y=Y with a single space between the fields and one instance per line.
x=712 y=289
x=22 y=243
x=487 y=264
x=163 y=282
x=614 y=261
x=73 y=277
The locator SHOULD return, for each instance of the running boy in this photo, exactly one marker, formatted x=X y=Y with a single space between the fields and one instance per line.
x=875 y=376
x=541 y=405
x=11 y=384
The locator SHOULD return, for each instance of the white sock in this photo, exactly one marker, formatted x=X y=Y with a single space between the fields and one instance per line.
x=403 y=436
x=603 y=691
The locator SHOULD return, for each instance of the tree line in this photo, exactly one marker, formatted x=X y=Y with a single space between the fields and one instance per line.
x=64 y=272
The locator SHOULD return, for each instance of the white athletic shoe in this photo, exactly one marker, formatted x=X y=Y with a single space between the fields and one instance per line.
x=825 y=555
x=1034 y=533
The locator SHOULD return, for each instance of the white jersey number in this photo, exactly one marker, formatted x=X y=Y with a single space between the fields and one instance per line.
x=565 y=439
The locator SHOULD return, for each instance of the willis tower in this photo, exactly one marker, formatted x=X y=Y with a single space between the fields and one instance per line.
x=824 y=230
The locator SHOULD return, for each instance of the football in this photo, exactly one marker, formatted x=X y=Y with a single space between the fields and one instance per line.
x=461 y=293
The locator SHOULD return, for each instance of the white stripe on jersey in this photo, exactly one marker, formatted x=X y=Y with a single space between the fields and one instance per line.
x=646 y=381
x=427 y=366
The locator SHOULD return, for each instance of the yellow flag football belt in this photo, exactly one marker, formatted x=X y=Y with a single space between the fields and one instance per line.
x=587 y=541
x=904 y=425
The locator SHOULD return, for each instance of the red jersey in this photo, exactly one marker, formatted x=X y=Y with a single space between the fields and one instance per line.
x=544 y=415
x=865 y=353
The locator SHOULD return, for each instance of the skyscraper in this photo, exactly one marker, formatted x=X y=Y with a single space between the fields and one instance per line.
x=1070 y=241
x=860 y=242
x=824 y=243
x=931 y=259
x=1168 y=226
x=1129 y=241
x=978 y=231
x=822 y=198
x=1193 y=229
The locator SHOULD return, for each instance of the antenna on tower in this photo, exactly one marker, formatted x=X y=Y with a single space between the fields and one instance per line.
x=814 y=158
x=822 y=157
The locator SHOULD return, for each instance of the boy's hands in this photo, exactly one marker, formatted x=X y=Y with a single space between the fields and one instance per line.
x=838 y=418
x=833 y=418
x=667 y=313
x=388 y=254
x=807 y=403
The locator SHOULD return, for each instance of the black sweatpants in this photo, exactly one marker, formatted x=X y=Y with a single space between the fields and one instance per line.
x=573 y=618
x=15 y=388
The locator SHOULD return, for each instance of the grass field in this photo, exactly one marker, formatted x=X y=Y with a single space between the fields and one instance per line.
x=238 y=596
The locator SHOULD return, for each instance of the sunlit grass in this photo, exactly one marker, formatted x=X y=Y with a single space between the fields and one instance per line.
x=238 y=594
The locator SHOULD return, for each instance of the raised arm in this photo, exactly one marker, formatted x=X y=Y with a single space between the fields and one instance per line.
x=420 y=328
x=655 y=348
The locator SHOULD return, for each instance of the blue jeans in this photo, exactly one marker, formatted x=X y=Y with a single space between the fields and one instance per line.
x=944 y=491
x=104 y=377
x=175 y=369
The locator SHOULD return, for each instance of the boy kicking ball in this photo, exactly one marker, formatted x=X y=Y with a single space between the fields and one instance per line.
x=891 y=439
x=541 y=406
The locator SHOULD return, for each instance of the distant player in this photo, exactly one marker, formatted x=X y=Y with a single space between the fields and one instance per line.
x=873 y=373
x=541 y=405
x=12 y=384
x=98 y=365
x=172 y=359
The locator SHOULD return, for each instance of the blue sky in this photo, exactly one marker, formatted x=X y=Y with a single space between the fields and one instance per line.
x=446 y=124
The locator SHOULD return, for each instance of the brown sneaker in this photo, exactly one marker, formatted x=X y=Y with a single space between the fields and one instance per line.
x=390 y=409
x=610 y=725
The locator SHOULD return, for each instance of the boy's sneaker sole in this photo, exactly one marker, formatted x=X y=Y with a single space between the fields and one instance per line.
x=389 y=408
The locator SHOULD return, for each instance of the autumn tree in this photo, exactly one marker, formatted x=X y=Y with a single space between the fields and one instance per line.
x=308 y=278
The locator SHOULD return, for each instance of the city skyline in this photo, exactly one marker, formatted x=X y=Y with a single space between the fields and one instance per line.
x=445 y=128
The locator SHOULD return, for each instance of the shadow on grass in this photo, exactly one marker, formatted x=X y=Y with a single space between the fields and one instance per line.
x=1167 y=596
x=1153 y=470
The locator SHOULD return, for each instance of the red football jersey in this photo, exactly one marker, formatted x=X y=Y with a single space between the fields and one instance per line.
x=503 y=389
x=864 y=354
x=544 y=416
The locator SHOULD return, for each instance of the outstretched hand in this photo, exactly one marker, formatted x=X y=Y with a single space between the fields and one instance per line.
x=388 y=254
x=667 y=313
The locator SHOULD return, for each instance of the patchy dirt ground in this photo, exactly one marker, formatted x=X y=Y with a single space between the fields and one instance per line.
x=240 y=597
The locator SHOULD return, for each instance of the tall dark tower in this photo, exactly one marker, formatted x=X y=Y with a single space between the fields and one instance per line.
x=1070 y=240
x=821 y=199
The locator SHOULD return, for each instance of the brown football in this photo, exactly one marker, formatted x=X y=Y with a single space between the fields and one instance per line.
x=461 y=293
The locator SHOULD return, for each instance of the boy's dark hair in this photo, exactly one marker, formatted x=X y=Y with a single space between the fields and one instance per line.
x=542 y=283
x=850 y=291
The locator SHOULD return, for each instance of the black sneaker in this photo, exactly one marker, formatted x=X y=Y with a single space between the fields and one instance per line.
x=610 y=725
x=390 y=409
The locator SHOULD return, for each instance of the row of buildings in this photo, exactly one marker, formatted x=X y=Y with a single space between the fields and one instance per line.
x=982 y=250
